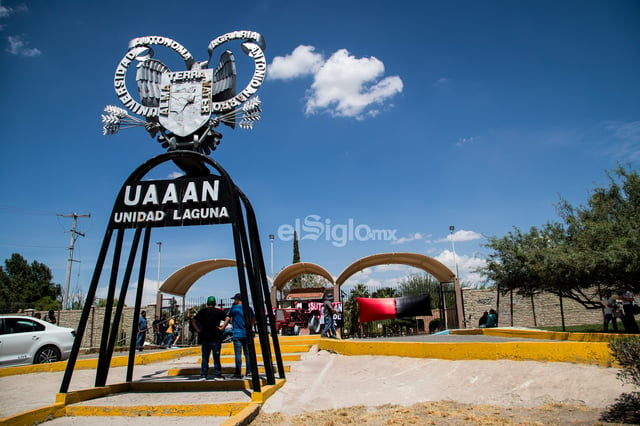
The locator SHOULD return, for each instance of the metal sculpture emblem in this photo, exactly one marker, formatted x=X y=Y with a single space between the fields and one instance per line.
x=182 y=108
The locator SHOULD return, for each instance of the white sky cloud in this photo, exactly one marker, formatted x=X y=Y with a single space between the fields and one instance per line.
x=460 y=236
x=410 y=238
x=17 y=46
x=627 y=139
x=15 y=43
x=302 y=61
x=466 y=266
x=343 y=85
x=148 y=294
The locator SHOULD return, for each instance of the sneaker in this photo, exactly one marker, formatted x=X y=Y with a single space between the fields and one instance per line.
x=218 y=378
x=203 y=378
x=237 y=376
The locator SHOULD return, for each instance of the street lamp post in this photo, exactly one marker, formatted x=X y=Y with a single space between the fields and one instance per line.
x=456 y=284
x=271 y=237
x=453 y=248
x=158 y=295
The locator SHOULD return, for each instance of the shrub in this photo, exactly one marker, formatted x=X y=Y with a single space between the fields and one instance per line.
x=627 y=351
x=627 y=406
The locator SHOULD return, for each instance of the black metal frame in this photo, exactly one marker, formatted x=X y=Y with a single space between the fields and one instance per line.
x=250 y=268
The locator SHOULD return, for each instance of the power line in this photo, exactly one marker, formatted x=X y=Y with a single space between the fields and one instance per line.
x=74 y=236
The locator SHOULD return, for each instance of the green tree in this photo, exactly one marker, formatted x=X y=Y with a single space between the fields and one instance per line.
x=102 y=303
x=297 y=281
x=605 y=234
x=24 y=285
x=350 y=311
x=596 y=248
x=385 y=292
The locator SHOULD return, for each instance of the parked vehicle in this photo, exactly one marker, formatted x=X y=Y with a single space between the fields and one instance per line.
x=305 y=313
x=26 y=340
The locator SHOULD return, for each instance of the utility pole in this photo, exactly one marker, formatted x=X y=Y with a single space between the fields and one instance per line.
x=74 y=237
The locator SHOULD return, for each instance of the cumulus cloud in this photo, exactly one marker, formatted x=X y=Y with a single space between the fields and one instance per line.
x=6 y=11
x=17 y=46
x=466 y=266
x=460 y=236
x=343 y=85
x=149 y=293
x=413 y=237
x=464 y=141
x=301 y=62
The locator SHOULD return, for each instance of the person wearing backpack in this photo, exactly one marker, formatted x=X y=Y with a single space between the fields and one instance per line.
x=207 y=323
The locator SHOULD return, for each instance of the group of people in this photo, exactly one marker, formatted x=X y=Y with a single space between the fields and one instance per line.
x=166 y=332
x=620 y=306
x=210 y=323
x=488 y=319
x=50 y=317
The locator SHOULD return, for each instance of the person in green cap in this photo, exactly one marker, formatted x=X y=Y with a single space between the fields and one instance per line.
x=207 y=323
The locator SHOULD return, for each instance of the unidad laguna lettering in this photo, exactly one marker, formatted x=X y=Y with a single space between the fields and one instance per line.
x=160 y=215
x=172 y=203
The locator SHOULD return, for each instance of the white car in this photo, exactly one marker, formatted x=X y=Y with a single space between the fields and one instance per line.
x=27 y=340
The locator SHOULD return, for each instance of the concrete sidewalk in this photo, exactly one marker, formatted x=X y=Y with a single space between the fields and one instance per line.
x=321 y=373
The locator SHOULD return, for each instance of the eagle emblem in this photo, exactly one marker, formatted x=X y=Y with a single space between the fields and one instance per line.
x=182 y=108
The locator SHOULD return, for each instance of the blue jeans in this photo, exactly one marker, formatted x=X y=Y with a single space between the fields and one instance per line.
x=208 y=347
x=239 y=346
x=140 y=340
x=328 y=326
x=168 y=339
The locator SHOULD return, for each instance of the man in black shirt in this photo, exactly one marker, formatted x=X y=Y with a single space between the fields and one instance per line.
x=207 y=323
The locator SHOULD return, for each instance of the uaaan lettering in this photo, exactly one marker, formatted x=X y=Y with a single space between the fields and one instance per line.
x=156 y=196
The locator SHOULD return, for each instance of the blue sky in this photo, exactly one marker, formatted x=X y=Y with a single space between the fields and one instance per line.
x=408 y=119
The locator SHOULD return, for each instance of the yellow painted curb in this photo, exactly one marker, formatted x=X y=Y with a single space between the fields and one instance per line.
x=92 y=363
x=247 y=415
x=224 y=409
x=575 y=352
x=244 y=417
x=35 y=416
x=266 y=392
x=538 y=334
x=295 y=344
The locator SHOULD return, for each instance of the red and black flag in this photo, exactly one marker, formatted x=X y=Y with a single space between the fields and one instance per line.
x=398 y=307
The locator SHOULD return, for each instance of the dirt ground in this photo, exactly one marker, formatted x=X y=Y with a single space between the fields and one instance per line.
x=331 y=389
x=441 y=413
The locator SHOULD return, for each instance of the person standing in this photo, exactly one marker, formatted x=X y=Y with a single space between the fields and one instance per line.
x=482 y=322
x=156 y=331
x=610 y=307
x=329 y=327
x=142 y=330
x=170 y=337
x=492 y=319
x=51 y=318
x=207 y=323
x=629 y=321
x=192 y=340
x=240 y=334
x=162 y=327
